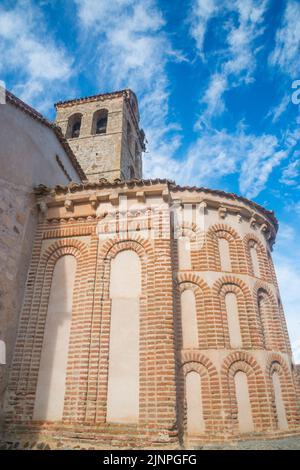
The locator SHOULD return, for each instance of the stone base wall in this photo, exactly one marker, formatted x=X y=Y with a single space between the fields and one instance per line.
x=18 y=218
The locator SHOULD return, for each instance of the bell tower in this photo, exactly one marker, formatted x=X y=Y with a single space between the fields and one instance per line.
x=103 y=132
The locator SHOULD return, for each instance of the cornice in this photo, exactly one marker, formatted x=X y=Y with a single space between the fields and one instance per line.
x=99 y=97
x=171 y=188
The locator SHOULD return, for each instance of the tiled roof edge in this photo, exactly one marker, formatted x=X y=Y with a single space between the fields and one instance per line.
x=85 y=99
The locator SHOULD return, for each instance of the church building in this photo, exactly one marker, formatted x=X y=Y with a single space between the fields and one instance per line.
x=137 y=313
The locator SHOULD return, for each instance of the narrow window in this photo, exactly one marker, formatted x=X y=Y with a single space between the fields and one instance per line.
x=189 y=319
x=254 y=258
x=243 y=403
x=184 y=252
x=263 y=316
x=123 y=370
x=280 y=408
x=194 y=409
x=2 y=352
x=76 y=129
x=224 y=254
x=233 y=320
x=101 y=124
x=74 y=125
x=50 y=392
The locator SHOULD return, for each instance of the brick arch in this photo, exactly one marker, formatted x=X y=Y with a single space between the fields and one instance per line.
x=236 y=249
x=149 y=279
x=188 y=229
x=67 y=246
x=34 y=324
x=272 y=326
x=112 y=247
x=191 y=281
x=247 y=313
x=193 y=278
x=244 y=362
x=135 y=242
x=263 y=260
x=211 y=396
x=197 y=242
x=231 y=232
x=276 y=363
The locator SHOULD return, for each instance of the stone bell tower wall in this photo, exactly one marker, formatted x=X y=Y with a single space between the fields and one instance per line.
x=116 y=153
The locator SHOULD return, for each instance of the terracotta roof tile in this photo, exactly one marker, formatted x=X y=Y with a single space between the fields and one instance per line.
x=97 y=97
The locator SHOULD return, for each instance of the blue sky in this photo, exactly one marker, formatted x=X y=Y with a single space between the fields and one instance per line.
x=214 y=82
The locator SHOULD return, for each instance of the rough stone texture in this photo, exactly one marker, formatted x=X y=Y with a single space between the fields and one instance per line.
x=85 y=221
x=289 y=443
x=17 y=221
x=110 y=155
x=284 y=443
x=297 y=370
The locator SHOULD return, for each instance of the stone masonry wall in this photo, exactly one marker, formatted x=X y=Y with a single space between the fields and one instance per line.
x=18 y=223
x=109 y=155
x=99 y=155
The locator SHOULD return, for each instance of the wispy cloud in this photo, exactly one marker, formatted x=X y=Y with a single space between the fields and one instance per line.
x=287 y=48
x=234 y=64
x=276 y=112
x=236 y=61
x=133 y=51
x=217 y=154
x=201 y=13
x=30 y=52
x=291 y=173
x=288 y=272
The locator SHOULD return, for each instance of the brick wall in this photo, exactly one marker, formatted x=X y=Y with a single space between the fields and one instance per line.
x=164 y=363
x=28 y=157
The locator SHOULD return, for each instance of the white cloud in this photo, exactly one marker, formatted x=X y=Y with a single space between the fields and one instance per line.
x=213 y=96
x=236 y=61
x=133 y=51
x=261 y=160
x=216 y=154
x=291 y=173
x=35 y=57
x=287 y=47
x=286 y=254
x=202 y=12
x=280 y=109
x=241 y=55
